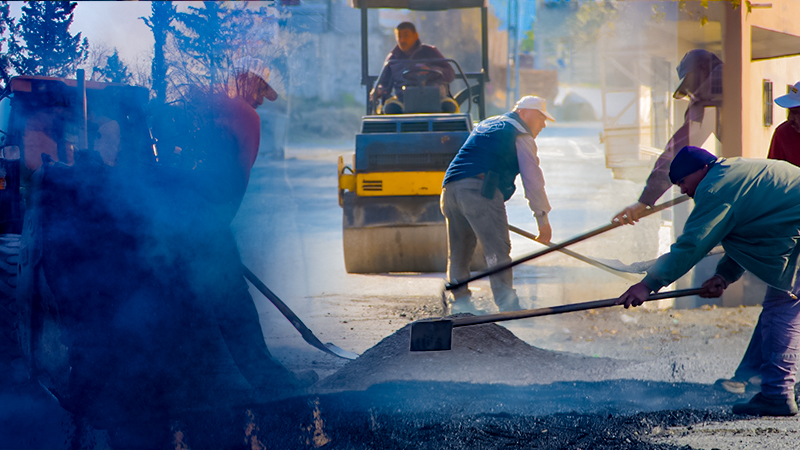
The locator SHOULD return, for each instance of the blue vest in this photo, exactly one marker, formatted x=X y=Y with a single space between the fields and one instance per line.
x=490 y=147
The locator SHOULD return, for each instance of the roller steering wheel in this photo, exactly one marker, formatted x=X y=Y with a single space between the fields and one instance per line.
x=421 y=76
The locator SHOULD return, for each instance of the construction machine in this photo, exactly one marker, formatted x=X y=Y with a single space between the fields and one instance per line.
x=43 y=121
x=111 y=259
x=389 y=192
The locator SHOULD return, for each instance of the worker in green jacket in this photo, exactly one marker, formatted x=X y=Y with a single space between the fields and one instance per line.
x=752 y=207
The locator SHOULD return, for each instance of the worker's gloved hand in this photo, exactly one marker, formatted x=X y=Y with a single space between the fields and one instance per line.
x=715 y=286
x=630 y=214
x=634 y=296
x=545 y=232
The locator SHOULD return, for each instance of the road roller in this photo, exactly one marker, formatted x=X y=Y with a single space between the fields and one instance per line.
x=389 y=188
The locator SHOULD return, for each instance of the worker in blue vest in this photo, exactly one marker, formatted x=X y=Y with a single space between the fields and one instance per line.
x=478 y=182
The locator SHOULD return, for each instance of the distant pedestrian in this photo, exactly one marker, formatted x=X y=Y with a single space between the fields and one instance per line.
x=752 y=207
x=478 y=182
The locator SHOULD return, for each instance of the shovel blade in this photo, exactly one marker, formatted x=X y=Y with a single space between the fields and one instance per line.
x=431 y=335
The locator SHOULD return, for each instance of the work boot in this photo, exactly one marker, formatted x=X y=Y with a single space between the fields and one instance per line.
x=509 y=303
x=460 y=304
x=463 y=307
x=761 y=405
x=738 y=386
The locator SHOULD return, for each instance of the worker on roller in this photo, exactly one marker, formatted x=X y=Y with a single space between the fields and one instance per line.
x=700 y=72
x=753 y=208
x=400 y=68
x=478 y=182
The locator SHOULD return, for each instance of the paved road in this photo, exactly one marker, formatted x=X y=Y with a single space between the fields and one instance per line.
x=289 y=231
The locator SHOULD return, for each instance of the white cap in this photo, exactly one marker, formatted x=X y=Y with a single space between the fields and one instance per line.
x=792 y=99
x=534 y=102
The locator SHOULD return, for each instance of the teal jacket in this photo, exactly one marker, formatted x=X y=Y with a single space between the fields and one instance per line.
x=752 y=207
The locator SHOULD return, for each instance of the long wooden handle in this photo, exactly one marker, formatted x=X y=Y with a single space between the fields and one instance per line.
x=524 y=314
x=557 y=247
x=298 y=324
x=576 y=255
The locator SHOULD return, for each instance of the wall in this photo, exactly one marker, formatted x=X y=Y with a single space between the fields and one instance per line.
x=325 y=62
x=780 y=71
x=743 y=130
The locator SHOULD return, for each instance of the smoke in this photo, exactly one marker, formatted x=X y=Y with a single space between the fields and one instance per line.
x=139 y=312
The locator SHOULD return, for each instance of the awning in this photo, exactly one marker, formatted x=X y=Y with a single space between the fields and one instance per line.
x=767 y=44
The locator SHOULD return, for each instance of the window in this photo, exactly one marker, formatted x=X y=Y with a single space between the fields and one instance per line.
x=767 y=103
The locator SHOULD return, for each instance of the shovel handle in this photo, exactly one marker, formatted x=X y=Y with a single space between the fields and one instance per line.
x=524 y=314
x=557 y=247
x=576 y=255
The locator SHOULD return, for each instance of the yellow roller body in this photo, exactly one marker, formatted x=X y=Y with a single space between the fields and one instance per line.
x=383 y=184
x=396 y=234
x=389 y=194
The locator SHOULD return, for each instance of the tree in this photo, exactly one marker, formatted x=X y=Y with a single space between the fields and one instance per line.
x=6 y=23
x=209 y=37
x=42 y=44
x=160 y=23
x=114 y=70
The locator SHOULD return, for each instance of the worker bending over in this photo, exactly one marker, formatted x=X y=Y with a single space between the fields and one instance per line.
x=753 y=208
x=785 y=146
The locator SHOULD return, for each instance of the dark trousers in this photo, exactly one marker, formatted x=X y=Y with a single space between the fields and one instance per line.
x=774 y=348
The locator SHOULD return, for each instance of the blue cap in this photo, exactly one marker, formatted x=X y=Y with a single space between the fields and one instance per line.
x=792 y=99
x=688 y=161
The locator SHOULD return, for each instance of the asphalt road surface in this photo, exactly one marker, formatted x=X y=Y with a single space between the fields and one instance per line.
x=609 y=379
x=289 y=231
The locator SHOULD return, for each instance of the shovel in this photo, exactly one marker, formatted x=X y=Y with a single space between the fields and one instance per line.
x=613 y=266
x=298 y=324
x=578 y=256
x=557 y=247
x=437 y=334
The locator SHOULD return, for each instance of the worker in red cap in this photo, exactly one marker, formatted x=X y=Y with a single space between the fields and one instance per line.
x=700 y=72
x=752 y=207
x=221 y=146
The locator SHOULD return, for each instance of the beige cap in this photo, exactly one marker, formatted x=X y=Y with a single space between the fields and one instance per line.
x=534 y=102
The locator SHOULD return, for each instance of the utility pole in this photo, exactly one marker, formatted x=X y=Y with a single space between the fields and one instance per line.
x=512 y=61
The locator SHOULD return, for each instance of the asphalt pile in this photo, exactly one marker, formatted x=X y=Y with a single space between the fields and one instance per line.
x=481 y=354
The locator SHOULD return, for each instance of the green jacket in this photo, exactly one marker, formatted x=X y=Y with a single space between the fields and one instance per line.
x=752 y=207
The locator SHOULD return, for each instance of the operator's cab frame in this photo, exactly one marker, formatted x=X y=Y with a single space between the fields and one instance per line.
x=472 y=93
x=389 y=191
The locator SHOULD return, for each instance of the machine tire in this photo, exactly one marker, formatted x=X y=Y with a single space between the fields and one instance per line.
x=9 y=268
